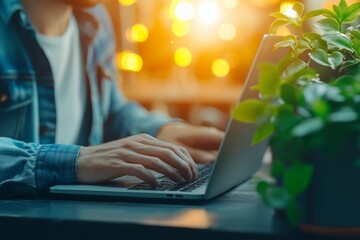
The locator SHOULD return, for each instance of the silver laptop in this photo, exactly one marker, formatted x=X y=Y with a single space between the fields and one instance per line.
x=236 y=162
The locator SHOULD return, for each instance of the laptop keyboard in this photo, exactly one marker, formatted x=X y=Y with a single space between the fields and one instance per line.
x=168 y=185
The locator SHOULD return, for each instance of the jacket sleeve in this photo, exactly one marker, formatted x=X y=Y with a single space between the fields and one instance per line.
x=29 y=169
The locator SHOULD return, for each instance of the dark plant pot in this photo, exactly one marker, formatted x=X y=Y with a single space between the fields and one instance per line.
x=332 y=203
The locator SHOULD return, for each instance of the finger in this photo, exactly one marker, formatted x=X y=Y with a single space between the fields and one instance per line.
x=186 y=152
x=206 y=139
x=171 y=154
x=168 y=157
x=157 y=165
x=201 y=156
x=180 y=151
x=140 y=172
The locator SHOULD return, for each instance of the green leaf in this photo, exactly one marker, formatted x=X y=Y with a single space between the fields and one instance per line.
x=293 y=212
x=307 y=127
x=313 y=92
x=277 y=197
x=289 y=93
x=288 y=41
x=311 y=36
x=319 y=44
x=351 y=13
x=339 y=40
x=327 y=25
x=349 y=86
x=293 y=21
x=345 y=114
x=262 y=187
x=280 y=15
x=262 y=132
x=345 y=82
x=355 y=33
x=297 y=178
x=336 y=59
x=278 y=23
x=303 y=44
x=321 y=108
x=269 y=79
x=295 y=67
x=278 y=168
x=248 y=111
x=320 y=12
x=298 y=8
x=338 y=12
x=321 y=57
x=343 y=5
x=349 y=63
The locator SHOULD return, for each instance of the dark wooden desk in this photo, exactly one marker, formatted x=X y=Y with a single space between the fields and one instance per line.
x=238 y=214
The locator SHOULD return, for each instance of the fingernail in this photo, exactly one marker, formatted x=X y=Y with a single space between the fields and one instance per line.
x=196 y=173
x=209 y=157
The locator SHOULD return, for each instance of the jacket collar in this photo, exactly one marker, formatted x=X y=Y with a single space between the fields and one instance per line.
x=8 y=8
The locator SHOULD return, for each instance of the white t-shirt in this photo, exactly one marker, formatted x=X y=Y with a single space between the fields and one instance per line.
x=64 y=54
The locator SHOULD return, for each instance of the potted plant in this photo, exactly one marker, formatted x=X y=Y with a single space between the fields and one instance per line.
x=309 y=106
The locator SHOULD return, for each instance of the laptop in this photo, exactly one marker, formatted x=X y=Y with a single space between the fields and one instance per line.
x=236 y=162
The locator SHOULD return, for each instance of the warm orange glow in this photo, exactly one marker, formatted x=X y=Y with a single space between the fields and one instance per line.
x=227 y=32
x=283 y=31
x=180 y=29
x=233 y=59
x=208 y=12
x=126 y=2
x=230 y=4
x=181 y=10
x=264 y=3
x=190 y=218
x=129 y=61
x=138 y=33
x=220 y=68
x=287 y=9
x=183 y=57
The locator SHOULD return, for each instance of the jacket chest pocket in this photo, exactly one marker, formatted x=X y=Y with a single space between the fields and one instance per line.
x=15 y=107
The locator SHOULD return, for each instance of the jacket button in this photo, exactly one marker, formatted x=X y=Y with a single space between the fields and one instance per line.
x=3 y=98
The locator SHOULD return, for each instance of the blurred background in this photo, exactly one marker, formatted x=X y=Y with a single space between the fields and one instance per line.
x=189 y=58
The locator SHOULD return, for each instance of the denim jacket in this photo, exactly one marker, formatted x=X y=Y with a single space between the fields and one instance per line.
x=30 y=162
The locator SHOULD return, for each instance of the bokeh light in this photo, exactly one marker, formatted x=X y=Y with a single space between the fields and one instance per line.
x=126 y=2
x=227 y=32
x=138 y=33
x=181 y=10
x=180 y=29
x=183 y=57
x=287 y=9
x=220 y=67
x=129 y=61
x=230 y=4
x=265 y=3
x=208 y=12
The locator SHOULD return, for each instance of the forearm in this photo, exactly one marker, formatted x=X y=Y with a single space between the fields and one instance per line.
x=28 y=168
x=133 y=119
